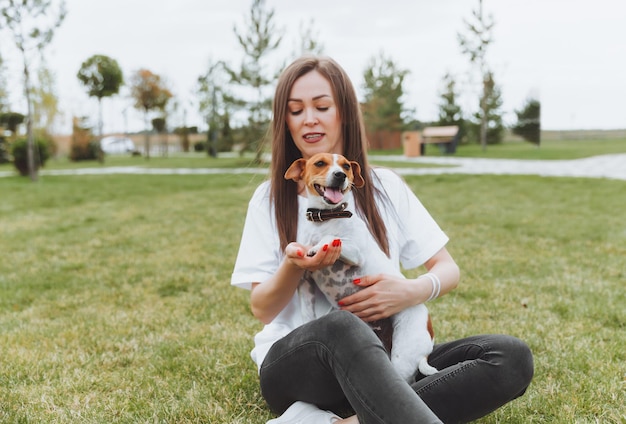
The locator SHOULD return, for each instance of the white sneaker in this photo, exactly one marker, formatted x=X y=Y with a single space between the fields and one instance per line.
x=305 y=413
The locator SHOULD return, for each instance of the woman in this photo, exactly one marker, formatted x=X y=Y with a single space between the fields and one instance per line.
x=335 y=362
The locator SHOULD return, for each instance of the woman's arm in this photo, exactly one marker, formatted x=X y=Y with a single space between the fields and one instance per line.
x=385 y=295
x=271 y=297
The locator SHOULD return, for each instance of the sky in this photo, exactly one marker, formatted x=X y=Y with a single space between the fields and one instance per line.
x=570 y=54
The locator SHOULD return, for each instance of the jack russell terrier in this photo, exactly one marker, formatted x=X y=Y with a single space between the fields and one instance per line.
x=328 y=179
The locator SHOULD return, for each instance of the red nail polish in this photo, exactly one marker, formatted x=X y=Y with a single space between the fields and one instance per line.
x=300 y=253
x=325 y=248
x=336 y=242
x=340 y=303
x=356 y=281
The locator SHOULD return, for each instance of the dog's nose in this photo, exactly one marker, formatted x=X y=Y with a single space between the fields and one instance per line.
x=339 y=175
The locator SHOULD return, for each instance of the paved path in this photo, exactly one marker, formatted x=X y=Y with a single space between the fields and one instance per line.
x=605 y=166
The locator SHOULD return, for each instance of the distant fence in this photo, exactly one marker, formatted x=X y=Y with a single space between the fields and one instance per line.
x=583 y=134
x=157 y=141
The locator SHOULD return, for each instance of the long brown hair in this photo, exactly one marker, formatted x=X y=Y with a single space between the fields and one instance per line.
x=284 y=193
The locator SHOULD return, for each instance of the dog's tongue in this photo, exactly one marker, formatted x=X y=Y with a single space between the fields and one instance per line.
x=333 y=195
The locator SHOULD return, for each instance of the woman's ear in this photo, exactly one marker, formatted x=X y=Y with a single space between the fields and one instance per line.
x=356 y=171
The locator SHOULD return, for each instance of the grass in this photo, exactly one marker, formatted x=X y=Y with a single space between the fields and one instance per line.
x=115 y=304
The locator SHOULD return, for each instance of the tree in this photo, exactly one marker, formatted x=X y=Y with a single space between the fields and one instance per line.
x=32 y=24
x=308 y=41
x=102 y=77
x=160 y=125
x=450 y=113
x=528 y=124
x=4 y=106
x=11 y=121
x=4 y=94
x=150 y=93
x=211 y=95
x=45 y=100
x=383 y=109
x=488 y=119
x=475 y=45
x=258 y=41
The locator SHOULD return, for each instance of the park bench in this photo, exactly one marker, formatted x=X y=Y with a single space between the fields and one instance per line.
x=446 y=137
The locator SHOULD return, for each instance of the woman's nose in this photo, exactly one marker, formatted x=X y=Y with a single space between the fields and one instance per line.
x=309 y=117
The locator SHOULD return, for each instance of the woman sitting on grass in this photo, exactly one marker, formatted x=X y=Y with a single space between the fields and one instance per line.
x=335 y=362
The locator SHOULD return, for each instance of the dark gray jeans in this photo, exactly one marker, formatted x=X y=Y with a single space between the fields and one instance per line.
x=337 y=363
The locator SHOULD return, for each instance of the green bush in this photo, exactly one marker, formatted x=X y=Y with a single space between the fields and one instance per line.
x=19 y=151
x=88 y=151
x=4 y=150
x=199 y=146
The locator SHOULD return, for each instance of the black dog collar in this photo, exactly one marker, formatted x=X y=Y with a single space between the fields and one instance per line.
x=321 y=215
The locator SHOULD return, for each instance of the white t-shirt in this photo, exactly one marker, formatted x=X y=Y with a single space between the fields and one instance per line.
x=414 y=237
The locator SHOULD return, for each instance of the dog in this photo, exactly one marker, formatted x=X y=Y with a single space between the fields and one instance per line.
x=328 y=180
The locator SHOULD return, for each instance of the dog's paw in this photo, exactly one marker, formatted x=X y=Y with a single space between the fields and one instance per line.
x=325 y=241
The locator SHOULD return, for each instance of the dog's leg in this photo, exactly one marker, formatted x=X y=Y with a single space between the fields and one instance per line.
x=411 y=343
x=350 y=254
x=325 y=240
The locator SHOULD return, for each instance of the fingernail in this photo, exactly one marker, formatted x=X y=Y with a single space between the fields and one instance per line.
x=356 y=281
x=340 y=303
x=325 y=248
x=336 y=242
x=299 y=252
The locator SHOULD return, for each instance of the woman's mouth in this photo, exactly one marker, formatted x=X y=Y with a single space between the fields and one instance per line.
x=313 y=137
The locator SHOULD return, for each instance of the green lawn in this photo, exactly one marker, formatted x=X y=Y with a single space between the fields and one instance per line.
x=115 y=304
x=549 y=149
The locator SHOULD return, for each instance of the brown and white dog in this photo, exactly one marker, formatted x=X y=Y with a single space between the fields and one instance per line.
x=328 y=179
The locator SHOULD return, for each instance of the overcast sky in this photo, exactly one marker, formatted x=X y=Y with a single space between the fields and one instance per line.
x=571 y=54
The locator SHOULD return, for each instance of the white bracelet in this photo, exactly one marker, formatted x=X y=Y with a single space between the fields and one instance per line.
x=436 y=282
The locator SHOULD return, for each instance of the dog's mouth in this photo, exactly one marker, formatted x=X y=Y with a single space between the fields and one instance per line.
x=331 y=195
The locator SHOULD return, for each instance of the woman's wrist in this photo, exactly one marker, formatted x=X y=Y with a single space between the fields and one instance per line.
x=435 y=286
x=430 y=287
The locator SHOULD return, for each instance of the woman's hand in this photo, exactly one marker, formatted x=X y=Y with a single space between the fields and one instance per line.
x=382 y=296
x=296 y=253
x=269 y=298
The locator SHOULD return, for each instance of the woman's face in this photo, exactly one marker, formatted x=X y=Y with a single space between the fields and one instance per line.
x=312 y=116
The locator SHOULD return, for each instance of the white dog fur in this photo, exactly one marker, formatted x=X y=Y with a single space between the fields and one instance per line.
x=360 y=255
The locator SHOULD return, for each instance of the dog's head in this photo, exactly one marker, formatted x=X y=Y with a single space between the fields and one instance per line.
x=327 y=178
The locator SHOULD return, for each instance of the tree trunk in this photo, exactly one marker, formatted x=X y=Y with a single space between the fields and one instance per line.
x=30 y=139
x=100 y=126
x=147 y=138
x=483 y=117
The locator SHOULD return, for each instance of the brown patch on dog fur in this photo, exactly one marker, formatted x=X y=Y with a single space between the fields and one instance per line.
x=429 y=325
x=384 y=330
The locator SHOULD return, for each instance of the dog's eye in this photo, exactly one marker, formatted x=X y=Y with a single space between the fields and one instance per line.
x=320 y=163
x=346 y=166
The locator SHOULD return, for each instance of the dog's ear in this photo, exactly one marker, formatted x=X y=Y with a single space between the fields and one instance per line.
x=296 y=170
x=356 y=171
